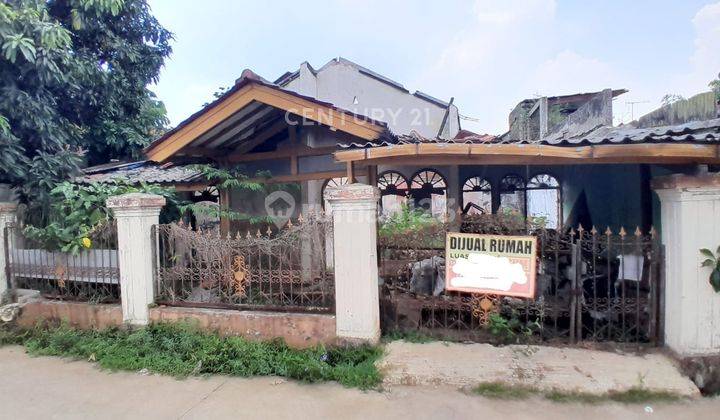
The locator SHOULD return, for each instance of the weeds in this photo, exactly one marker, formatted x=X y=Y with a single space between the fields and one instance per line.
x=636 y=395
x=502 y=391
x=411 y=336
x=183 y=350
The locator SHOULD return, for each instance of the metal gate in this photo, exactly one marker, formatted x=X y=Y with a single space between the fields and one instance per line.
x=591 y=286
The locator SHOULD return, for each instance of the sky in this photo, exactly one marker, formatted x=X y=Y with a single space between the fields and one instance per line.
x=486 y=54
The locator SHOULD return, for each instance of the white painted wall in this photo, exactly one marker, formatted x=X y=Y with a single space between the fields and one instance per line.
x=692 y=308
x=341 y=83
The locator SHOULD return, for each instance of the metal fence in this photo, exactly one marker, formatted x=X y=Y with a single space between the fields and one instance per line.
x=283 y=269
x=91 y=274
x=591 y=286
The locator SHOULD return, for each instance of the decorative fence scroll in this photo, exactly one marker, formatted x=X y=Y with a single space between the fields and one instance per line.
x=591 y=285
x=89 y=275
x=284 y=270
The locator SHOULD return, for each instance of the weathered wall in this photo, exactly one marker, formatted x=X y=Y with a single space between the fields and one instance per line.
x=342 y=84
x=297 y=329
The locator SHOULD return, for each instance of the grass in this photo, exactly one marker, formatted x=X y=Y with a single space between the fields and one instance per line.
x=410 y=336
x=183 y=350
x=502 y=391
x=637 y=395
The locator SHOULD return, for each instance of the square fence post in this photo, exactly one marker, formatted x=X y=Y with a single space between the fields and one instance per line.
x=357 y=307
x=8 y=215
x=690 y=211
x=136 y=213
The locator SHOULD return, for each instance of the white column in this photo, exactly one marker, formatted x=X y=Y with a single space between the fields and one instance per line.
x=136 y=213
x=354 y=213
x=690 y=214
x=8 y=214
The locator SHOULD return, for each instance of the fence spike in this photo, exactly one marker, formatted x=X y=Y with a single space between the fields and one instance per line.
x=572 y=232
x=248 y=236
x=608 y=232
x=238 y=235
x=300 y=218
x=593 y=231
x=638 y=232
x=580 y=228
x=268 y=231
x=258 y=234
x=289 y=224
x=653 y=232
x=622 y=232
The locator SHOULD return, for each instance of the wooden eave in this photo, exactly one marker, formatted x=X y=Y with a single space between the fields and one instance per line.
x=531 y=154
x=303 y=107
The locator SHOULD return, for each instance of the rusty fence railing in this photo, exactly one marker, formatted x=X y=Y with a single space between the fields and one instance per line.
x=91 y=274
x=284 y=269
x=591 y=286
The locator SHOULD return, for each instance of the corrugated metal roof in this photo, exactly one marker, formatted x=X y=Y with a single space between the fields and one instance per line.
x=696 y=132
x=463 y=137
x=143 y=171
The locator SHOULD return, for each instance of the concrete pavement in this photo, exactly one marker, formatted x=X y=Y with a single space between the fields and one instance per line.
x=55 y=388
x=548 y=368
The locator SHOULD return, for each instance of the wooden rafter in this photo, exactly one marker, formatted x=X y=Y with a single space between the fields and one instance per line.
x=277 y=98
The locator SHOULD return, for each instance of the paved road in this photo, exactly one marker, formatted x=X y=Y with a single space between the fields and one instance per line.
x=55 y=388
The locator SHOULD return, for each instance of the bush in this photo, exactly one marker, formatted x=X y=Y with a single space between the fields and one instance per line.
x=183 y=350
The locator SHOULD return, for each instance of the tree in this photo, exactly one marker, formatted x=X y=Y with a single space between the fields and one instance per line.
x=715 y=86
x=73 y=88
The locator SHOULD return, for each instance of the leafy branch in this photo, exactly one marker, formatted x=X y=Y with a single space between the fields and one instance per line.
x=712 y=260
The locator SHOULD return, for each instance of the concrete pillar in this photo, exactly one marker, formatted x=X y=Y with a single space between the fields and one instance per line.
x=690 y=212
x=136 y=213
x=354 y=214
x=8 y=215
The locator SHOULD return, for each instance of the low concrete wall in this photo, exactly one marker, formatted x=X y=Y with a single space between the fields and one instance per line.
x=77 y=314
x=297 y=329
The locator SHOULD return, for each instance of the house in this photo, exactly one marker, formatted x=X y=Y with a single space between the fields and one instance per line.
x=561 y=159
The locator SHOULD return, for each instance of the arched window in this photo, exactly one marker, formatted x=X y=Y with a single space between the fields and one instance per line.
x=334 y=183
x=512 y=194
x=428 y=190
x=393 y=190
x=477 y=196
x=331 y=183
x=543 y=200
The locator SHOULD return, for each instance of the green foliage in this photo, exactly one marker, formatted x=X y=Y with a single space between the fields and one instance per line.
x=79 y=209
x=409 y=337
x=73 y=88
x=635 y=395
x=237 y=179
x=503 y=391
x=182 y=350
x=511 y=329
x=407 y=220
x=712 y=260
x=715 y=86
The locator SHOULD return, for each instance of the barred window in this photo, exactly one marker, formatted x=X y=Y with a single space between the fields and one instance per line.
x=544 y=200
x=512 y=194
x=477 y=196
x=428 y=189
x=393 y=190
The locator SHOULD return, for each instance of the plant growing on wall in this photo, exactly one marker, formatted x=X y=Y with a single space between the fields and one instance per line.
x=712 y=260
x=236 y=178
x=77 y=210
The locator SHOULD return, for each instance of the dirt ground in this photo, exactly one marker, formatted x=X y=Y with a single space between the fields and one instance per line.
x=55 y=388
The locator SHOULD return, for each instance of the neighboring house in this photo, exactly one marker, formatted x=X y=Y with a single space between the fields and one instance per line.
x=561 y=158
